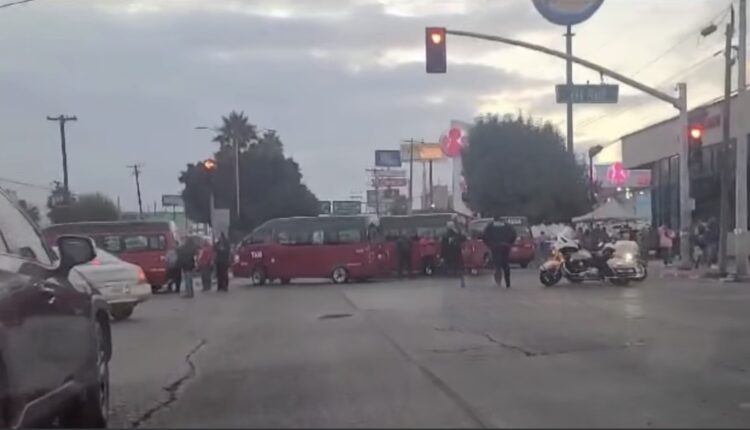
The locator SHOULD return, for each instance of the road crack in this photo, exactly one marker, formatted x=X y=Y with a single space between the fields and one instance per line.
x=171 y=389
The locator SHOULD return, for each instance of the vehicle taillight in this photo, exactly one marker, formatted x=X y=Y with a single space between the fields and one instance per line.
x=236 y=259
x=141 y=277
x=95 y=262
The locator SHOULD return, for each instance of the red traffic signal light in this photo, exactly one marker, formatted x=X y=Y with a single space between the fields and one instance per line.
x=209 y=164
x=436 y=60
x=695 y=134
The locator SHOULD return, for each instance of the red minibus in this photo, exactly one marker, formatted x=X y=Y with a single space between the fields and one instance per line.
x=144 y=243
x=524 y=249
x=335 y=247
x=426 y=231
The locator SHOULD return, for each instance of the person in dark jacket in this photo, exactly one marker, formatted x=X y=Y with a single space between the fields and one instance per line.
x=403 y=249
x=221 y=254
x=499 y=237
x=186 y=262
x=450 y=249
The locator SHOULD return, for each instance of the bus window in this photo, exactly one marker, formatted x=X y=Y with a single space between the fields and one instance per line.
x=135 y=243
x=318 y=237
x=349 y=235
x=261 y=235
x=110 y=244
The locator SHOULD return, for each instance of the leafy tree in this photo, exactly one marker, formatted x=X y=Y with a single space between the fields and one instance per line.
x=31 y=210
x=270 y=184
x=236 y=129
x=518 y=166
x=86 y=207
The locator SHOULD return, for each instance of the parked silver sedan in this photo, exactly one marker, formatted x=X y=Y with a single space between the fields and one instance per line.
x=123 y=285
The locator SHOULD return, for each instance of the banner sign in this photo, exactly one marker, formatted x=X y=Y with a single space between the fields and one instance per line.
x=422 y=152
x=172 y=200
x=389 y=182
x=387 y=158
x=347 y=207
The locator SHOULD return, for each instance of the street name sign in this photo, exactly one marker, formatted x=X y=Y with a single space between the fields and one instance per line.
x=592 y=94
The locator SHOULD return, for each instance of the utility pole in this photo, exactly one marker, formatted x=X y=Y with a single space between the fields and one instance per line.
x=725 y=123
x=62 y=119
x=432 y=201
x=137 y=173
x=740 y=188
x=569 y=82
x=411 y=173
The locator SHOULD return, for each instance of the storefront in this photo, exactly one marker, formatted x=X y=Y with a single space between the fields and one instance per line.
x=656 y=148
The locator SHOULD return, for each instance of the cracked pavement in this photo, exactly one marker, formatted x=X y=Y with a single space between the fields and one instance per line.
x=424 y=353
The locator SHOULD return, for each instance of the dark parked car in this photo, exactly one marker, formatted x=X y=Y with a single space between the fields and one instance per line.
x=55 y=340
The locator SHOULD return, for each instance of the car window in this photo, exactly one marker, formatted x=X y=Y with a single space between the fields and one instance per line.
x=19 y=235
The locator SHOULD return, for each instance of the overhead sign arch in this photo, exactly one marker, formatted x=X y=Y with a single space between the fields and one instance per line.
x=567 y=12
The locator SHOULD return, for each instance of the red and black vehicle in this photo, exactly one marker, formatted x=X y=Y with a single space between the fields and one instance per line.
x=335 y=247
x=522 y=253
x=426 y=231
x=144 y=243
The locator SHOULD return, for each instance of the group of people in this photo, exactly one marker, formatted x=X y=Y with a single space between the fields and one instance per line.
x=188 y=257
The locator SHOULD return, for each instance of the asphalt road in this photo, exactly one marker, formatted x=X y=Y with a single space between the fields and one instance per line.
x=424 y=353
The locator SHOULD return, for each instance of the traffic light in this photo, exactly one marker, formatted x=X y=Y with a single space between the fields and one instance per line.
x=436 y=60
x=695 y=145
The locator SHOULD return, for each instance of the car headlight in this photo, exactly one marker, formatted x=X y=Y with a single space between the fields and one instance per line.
x=629 y=257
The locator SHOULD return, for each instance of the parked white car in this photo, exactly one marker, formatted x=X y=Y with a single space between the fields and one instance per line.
x=123 y=285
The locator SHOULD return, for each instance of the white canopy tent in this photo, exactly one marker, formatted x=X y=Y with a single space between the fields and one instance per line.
x=609 y=211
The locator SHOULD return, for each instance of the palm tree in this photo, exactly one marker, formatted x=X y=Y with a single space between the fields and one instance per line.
x=236 y=130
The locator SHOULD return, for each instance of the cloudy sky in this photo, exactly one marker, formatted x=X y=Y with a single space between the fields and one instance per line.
x=337 y=79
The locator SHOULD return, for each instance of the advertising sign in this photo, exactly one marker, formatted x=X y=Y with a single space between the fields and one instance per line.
x=615 y=176
x=347 y=207
x=422 y=152
x=172 y=200
x=389 y=182
x=387 y=158
x=325 y=207
x=391 y=173
x=567 y=12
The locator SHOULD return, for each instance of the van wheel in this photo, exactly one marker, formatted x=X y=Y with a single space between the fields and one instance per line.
x=91 y=409
x=258 y=276
x=155 y=288
x=340 y=275
x=121 y=312
x=428 y=268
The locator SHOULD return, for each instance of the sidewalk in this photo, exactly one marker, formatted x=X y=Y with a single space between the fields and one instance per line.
x=703 y=272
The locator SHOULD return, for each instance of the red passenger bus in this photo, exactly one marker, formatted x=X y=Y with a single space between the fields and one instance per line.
x=426 y=231
x=521 y=253
x=334 y=247
x=144 y=243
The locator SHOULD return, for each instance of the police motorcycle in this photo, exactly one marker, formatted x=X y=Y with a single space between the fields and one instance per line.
x=613 y=262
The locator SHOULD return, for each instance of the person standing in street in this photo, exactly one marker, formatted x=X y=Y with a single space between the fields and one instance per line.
x=499 y=236
x=174 y=273
x=403 y=248
x=186 y=261
x=665 y=244
x=221 y=262
x=450 y=248
x=205 y=264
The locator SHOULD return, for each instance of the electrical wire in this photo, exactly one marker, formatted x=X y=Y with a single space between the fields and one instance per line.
x=25 y=184
x=14 y=3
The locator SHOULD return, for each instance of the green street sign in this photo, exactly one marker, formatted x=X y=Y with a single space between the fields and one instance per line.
x=593 y=94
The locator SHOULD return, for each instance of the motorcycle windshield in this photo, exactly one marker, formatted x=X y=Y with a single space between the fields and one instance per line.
x=625 y=247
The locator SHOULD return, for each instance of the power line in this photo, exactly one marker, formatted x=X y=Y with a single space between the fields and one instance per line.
x=14 y=3
x=25 y=184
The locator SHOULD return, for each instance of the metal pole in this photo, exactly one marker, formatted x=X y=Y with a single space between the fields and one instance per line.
x=685 y=202
x=569 y=82
x=62 y=119
x=237 y=177
x=724 y=177
x=411 y=175
x=740 y=196
x=430 y=190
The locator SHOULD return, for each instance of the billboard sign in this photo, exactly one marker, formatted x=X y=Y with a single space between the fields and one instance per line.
x=347 y=207
x=389 y=182
x=325 y=207
x=615 y=176
x=422 y=152
x=567 y=12
x=387 y=158
x=172 y=200
x=390 y=173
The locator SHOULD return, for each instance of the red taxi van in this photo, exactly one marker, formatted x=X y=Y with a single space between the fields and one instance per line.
x=333 y=247
x=144 y=243
x=426 y=231
x=524 y=249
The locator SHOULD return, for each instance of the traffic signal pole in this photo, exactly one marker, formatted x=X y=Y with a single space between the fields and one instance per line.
x=569 y=83
x=679 y=102
x=740 y=197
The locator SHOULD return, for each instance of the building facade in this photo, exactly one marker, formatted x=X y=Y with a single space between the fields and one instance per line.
x=656 y=148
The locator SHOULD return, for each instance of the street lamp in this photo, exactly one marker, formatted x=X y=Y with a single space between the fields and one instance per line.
x=593 y=152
